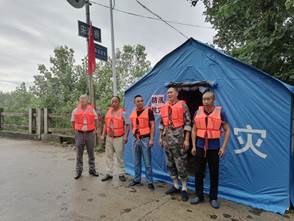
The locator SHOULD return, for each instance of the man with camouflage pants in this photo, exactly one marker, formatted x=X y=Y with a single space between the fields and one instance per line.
x=175 y=130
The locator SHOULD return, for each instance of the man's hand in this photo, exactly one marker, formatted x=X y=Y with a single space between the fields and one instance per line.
x=160 y=141
x=221 y=151
x=151 y=142
x=193 y=151
x=102 y=139
x=186 y=145
x=125 y=140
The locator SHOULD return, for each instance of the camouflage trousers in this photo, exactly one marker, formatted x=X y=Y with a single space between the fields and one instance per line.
x=177 y=156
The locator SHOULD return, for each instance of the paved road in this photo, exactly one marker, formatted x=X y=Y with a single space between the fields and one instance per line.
x=36 y=184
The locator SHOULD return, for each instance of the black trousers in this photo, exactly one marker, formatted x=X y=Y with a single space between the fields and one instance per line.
x=212 y=159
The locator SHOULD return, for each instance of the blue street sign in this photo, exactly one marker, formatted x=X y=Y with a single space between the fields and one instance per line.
x=100 y=52
x=84 y=30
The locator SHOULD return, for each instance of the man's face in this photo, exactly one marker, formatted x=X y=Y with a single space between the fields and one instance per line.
x=172 y=94
x=139 y=102
x=115 y=102
x=83 y=100
x=208 y=99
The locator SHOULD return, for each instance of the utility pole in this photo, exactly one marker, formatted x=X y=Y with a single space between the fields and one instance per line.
x=114 y=80
x=90 y=77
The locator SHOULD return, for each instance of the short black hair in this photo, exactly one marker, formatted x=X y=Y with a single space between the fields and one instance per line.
x=118 y=98
x=172 y=87
x=138 y=95
x=209 y=91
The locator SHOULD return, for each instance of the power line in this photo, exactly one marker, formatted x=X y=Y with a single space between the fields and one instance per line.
x=151 y=18
x=153 y=13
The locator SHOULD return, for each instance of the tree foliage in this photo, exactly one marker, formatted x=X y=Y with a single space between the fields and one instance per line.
x=131 y=64
x=18 y=100
x=260 y=33
x=59 y=86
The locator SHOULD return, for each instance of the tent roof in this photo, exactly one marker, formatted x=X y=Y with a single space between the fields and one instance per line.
x=290 y=87
x=194 y=42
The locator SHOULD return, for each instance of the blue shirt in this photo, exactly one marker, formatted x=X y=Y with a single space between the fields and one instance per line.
x=213 y=144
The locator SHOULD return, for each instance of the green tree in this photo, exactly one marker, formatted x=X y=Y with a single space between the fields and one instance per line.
x=260 y=33
x=18 y=100
x=131 y=64
x=59 y=86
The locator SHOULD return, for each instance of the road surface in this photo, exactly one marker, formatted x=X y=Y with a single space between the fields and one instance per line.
x=36 y=184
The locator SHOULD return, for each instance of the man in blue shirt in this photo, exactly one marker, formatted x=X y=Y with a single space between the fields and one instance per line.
x=206 y=146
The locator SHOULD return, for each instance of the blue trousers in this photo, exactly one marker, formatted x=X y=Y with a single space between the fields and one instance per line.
x=141 y=149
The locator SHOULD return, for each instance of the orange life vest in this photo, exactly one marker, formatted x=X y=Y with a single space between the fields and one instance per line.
x=211 y=130
x=177 y=116
x=82 y=117
x=114 y=123
x=143 y=122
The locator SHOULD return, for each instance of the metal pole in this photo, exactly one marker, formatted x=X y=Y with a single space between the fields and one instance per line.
x=90 y=78
x=113 y=51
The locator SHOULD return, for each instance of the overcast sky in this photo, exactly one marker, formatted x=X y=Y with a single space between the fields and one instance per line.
x=30 y=30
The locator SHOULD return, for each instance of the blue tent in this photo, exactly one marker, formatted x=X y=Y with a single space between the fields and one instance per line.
x=257 y=169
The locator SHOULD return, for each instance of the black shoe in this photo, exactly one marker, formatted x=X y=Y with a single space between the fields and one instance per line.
x=93 y=173
x=172 y=190
x=196 y=200
x=107 y=177
x=184 y=196
x=78 y=175
x=151 y=186
x=134 y=183
x=122 y=178
x=214 y=204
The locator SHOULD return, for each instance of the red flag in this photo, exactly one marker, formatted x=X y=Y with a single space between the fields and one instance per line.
x=91 y=52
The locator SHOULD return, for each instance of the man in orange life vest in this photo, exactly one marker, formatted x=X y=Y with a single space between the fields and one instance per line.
x=84 y=121
x=116 y=129
x=143 y=127
x=175 y=130
x=206 y=133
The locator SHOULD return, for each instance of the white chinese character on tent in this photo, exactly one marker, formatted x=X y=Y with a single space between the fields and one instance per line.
x=249 y=144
